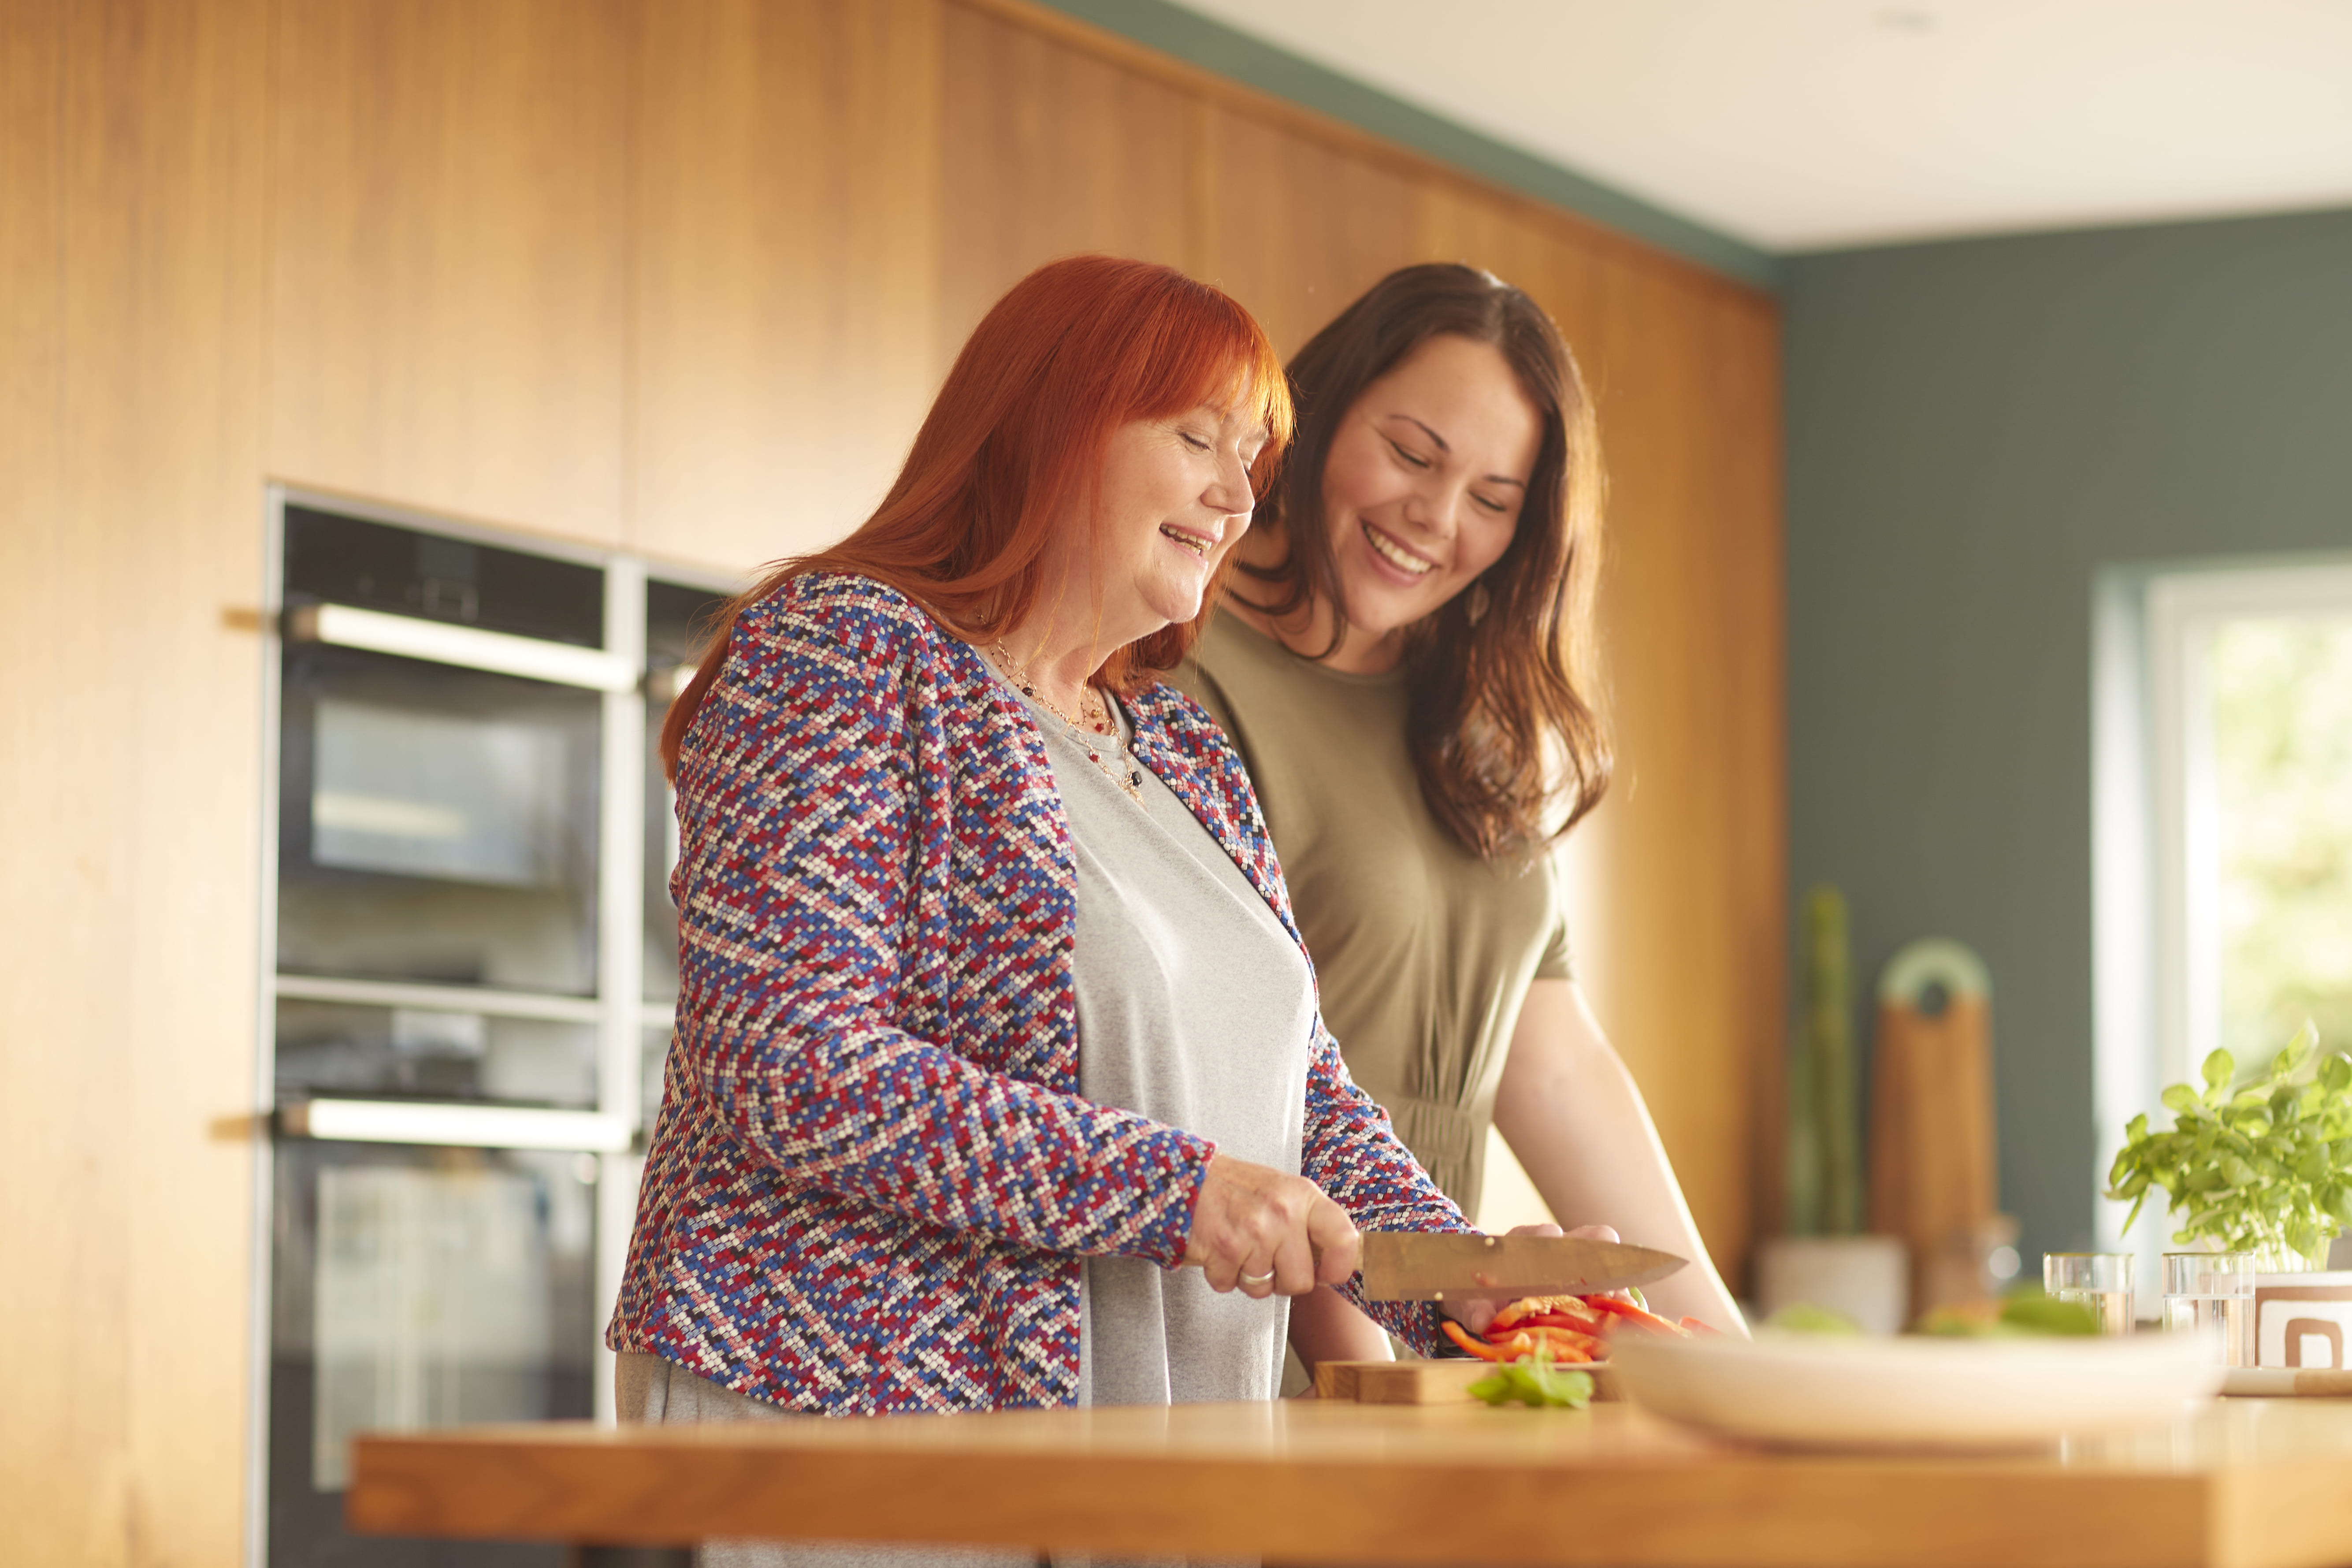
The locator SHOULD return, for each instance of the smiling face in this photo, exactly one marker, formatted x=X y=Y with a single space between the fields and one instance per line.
x=1175 y=498
x=1423 y=487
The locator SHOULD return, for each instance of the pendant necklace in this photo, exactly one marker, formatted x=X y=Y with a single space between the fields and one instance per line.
x=1092 y=727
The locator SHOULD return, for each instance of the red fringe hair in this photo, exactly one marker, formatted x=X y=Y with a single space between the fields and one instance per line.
x=1016 y=441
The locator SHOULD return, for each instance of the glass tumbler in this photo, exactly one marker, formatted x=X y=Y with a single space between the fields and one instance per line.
x=2099 y=1280
x=2212 y=1293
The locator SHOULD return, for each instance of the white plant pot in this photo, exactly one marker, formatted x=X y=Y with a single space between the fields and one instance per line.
x=2304 y=1320
x=1867 y=1278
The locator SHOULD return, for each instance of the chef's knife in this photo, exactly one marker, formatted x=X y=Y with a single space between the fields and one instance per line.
x=1422 y=1266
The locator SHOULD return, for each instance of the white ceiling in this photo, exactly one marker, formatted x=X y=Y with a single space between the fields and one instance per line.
x=1809 y=124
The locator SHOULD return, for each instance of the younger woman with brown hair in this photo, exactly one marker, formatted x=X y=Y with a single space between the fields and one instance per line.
x=1405 y=664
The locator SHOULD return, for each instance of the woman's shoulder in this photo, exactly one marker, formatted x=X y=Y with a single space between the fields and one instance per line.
x=838 y=614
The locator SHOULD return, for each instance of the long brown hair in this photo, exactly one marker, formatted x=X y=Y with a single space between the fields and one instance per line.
x=1017 y=435
x=1505 y=723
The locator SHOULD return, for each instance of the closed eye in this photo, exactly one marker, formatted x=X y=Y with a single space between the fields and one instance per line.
x=1405 y=454
x=1490 y=504
x=1193 y=441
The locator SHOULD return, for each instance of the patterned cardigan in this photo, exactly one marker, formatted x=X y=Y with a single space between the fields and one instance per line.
x=872 y=1180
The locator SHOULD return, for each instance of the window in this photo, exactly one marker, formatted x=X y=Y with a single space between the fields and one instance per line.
x=2222 y=824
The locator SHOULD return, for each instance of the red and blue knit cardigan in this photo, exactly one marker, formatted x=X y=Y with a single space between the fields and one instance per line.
x=872 y=1180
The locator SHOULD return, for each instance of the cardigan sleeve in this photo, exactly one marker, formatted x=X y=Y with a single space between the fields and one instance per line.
x=802 y=787
x=1355 y=1158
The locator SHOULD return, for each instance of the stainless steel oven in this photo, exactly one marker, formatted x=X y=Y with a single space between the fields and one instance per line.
x=471 y=965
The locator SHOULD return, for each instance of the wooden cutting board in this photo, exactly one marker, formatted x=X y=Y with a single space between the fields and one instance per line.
x=1422 y=1381
x=1932 y=1169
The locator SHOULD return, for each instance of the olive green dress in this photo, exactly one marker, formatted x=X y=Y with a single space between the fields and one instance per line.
x=1422 y=951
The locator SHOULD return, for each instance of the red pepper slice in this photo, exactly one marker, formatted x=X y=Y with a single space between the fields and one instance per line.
x=1480 y=1348
x=1698 y=1328
x=1564 y=1344
x=1633 y=1314
x=1556 y=1320
x=1530 y=1306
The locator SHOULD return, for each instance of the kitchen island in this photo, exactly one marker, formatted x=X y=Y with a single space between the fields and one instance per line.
x=2241 y=1484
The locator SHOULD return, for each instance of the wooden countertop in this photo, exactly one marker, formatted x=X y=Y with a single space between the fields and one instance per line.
x=2243 y=1484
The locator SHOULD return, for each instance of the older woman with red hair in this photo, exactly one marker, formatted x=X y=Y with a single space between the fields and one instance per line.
x=992 y=1015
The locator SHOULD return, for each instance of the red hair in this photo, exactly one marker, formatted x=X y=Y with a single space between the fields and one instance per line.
x=1016 y=440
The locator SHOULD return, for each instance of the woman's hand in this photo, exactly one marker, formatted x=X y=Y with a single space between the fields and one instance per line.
x=1475 y=1315
x=1266 y=1233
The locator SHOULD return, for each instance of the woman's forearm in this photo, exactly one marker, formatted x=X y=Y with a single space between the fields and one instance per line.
x=1324 y=1326
x=1576 y=1120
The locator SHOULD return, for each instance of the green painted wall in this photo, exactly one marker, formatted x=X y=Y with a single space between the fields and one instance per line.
x=1974 y=428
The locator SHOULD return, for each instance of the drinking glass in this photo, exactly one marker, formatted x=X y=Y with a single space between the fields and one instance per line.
x=2099 y=1280
x=2212 y=1293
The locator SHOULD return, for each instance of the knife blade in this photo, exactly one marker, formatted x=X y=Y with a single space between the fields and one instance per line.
x=1425 y=1266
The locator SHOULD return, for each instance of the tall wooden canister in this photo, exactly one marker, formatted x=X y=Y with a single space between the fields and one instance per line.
x=1932 y=1175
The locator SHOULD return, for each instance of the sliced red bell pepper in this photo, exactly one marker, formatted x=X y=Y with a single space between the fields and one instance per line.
x=1530 y=1306
x=1479 y=1347
x=1633 y=1314
x=1564 y=1344
x=1583 y=1325
x=1698 y=1328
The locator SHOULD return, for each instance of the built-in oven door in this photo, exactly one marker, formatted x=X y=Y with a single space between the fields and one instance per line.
x=468 y=972
x=414 y=1287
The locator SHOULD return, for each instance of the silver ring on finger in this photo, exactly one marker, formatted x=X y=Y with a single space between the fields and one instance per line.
x=1265 y=1279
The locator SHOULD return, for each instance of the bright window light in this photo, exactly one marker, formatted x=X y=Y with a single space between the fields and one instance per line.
x=2222 y=818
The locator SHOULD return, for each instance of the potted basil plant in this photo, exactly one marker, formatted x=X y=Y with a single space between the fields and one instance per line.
x=2265 y=1169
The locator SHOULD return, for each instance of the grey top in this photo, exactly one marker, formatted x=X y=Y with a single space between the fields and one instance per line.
x=1194 y=1008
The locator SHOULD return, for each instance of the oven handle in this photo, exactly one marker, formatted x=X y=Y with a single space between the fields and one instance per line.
x=468 y=1126
x=469 y=647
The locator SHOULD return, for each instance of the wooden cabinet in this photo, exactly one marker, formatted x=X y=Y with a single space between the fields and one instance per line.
x=1045 y=150
x=1298 y=228
x=448 y=223
x=785 y=231
x=133 y=174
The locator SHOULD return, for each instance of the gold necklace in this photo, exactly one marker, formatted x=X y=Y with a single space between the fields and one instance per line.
x=1102 y=723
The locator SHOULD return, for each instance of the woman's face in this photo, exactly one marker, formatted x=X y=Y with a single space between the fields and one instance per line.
x=1423 y=481
x=1175 y=498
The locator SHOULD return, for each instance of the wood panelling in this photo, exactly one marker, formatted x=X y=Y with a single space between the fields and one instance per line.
x=449 y=254
x=1296 y=227
x=44 y=1261
x=126 y=960
x=1046 y=151
x=787 y=241
x=681 y=276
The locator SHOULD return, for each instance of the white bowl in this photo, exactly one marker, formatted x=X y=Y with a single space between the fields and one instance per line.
x=1816 y=1391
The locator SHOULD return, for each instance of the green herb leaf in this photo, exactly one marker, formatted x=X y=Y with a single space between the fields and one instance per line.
x=2269 y=1165
x=1536 y=1382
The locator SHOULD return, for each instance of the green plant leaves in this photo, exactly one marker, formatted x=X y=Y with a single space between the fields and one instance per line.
x=2266 y=1166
